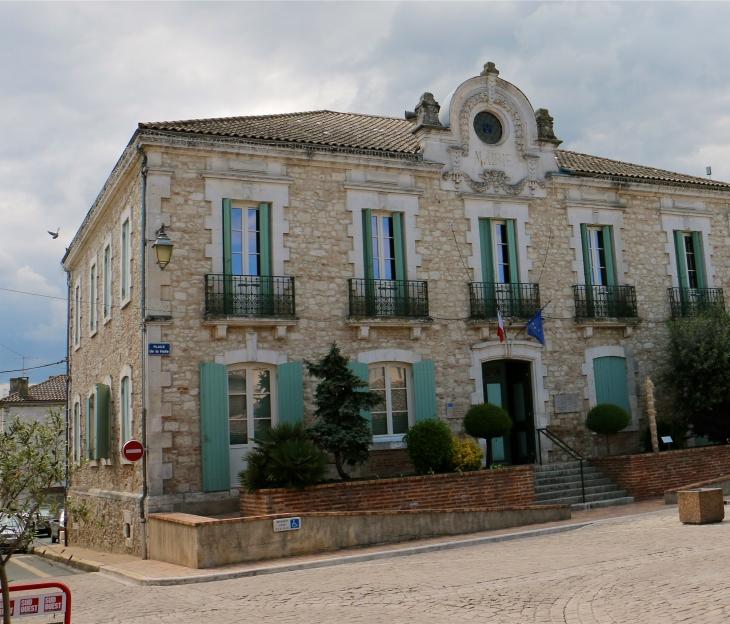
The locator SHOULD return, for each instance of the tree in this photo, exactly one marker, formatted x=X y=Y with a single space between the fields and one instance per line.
x=608 y=419
x=33 y=457
x=698 y=372
x=430 y=446
x=339 y=427
x=487 y=421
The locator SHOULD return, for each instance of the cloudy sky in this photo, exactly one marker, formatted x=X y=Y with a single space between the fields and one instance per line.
x=643 y=82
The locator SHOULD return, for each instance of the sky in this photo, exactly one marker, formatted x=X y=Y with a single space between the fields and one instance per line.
x=642 y=82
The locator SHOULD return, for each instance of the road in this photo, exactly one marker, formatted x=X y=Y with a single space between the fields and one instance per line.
x=648 y=569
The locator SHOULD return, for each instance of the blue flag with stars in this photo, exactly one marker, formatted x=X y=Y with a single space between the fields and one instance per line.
x=535 y=328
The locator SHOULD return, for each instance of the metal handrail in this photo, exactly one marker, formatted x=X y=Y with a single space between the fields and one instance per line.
x=565 y=447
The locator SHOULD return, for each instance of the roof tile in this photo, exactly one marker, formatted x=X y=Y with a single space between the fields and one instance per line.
x=51 y=390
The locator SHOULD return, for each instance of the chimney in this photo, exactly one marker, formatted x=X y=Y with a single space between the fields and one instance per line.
x=20 y=385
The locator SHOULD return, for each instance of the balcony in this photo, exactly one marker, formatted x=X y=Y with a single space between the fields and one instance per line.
x=249 y=296
x=695 y=301
x=512 y=300
x=599 y=302
x=376 y=298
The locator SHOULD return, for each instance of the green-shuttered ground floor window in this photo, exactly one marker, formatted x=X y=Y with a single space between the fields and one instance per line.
x=611 y=381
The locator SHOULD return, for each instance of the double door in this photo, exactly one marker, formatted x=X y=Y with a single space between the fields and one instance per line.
x=508 y=384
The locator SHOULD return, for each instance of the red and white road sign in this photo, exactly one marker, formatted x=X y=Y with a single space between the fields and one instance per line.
x=133 y=451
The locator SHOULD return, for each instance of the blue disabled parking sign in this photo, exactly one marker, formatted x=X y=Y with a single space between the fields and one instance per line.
x=287 y=524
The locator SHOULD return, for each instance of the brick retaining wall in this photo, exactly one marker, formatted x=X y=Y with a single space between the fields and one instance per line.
x=484 y=488
x=651 y=474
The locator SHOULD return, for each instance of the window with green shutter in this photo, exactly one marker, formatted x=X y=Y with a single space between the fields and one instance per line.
x=291 y=392
x=214 y=436
x=598 y=257
x=102 y=428
x=384 y=245
x=689 y=250
x=246 y=239
x=611 y=381
x=498 y=243
x=424 y=390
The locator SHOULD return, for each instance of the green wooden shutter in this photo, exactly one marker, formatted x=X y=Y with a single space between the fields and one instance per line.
x=87 y=429
x=214 y=437
x=227 y=261
x=265 y=238
x=367 y=243
x=611 y=381
x=485 y=243
x=291 y=392
x=681 y=260
x=699 y=259
x=363 y=372
x=102 y=432
x=586 y=255
x=400 y=245
x=514 y=273
x=424 y=390
x=608 y=250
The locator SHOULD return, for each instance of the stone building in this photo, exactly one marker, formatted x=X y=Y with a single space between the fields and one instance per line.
x=32 y=403
x=399 y=239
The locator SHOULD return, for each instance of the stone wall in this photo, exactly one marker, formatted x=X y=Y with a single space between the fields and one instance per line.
x=483 y=488
x=651 y=474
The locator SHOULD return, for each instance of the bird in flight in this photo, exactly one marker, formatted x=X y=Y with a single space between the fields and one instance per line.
x=54 y=235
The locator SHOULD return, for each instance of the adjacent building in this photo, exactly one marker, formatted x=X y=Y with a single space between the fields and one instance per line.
x=399 y=239
x=32 y=403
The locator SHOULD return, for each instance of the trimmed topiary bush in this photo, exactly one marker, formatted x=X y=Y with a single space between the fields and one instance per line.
x=607 y=419
x=487 y=421
x=467 y=455
x=430 y=446
x=285 y=457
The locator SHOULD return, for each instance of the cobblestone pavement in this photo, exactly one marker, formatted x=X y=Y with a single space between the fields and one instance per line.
x=647 y=569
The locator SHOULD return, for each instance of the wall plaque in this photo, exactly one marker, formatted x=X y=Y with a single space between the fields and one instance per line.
x=566 y=403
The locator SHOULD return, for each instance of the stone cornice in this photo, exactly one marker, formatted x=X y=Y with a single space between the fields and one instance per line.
x=247 y=176
x=380 y=187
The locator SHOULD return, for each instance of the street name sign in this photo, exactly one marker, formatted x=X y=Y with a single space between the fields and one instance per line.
x=158 y=348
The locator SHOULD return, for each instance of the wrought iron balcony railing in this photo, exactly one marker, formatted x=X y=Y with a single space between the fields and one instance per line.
x=249 y=295
x=695 y=301
x=389 y=298
x=605 y=301
x=512 y=300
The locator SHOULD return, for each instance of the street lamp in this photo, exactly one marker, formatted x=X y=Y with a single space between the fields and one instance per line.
x=163 y=247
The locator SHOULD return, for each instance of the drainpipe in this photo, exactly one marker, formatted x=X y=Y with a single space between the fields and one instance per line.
x=68 y=378
x=143 y=325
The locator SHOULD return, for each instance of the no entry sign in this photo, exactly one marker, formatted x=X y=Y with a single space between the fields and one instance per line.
x=133 y=451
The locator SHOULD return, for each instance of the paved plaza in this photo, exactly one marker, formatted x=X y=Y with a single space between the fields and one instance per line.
x=646 y=568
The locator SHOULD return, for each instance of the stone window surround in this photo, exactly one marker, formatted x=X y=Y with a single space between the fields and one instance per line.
x=589 y=391
x=94 y=300
x=688 y=223
x=126 y=372
x=78 y=316
x=126 y=216
x=392 y=356
x=385 y=200
x=106 y=317
x=519 y=212
x=249 y=191
x=598 y=215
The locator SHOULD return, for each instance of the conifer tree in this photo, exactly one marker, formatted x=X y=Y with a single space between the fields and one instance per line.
x=340 y=395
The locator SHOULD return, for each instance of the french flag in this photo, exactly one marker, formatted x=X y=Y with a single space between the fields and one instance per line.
x=500 y=326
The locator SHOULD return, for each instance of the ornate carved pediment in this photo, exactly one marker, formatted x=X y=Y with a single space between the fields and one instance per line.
x=499 y=180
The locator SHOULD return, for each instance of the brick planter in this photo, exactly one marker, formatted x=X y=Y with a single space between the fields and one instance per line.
x=651 y=474
x=483 y=488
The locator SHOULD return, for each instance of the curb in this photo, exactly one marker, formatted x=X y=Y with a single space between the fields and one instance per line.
x=79 y=564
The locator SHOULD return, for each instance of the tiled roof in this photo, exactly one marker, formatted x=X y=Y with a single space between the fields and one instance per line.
x=317 y=127
x=53 y=390
x=583 y=163
x=389 y=134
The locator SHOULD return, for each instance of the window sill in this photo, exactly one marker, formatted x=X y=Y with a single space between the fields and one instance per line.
x=106 y=320
x=387 y=443
x=588 y=324
x=125 y=302
x=93 y=333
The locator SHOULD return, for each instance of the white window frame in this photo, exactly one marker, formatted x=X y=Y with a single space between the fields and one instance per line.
x=78 y=316
x=249 y=367
x=378 y=235
x=93 y=296
x=126 y=421
x=107 y=284
x=409 y=397
x=244 y=208
x=125 y=258
x=594 y=255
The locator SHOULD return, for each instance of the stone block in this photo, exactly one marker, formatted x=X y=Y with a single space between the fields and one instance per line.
x=701 y=506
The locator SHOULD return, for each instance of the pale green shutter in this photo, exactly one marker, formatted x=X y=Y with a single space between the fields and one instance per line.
x=87 y=429
x=399 y=240
x=214 y=437
x=485 y=244
x=681 y=260
x=514 y=273
x=586 y=255
x=102 y=405
x=699 y=259
x=265 y=238
x=291 y=392
x=367 y=243
x=363 y=372
x=608 y=250
x=611 y=381
x=424 y=390
x=227 y=261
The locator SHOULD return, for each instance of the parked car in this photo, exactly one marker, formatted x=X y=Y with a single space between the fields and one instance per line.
x=42 y=522
x=10 y=529
x=57 y=523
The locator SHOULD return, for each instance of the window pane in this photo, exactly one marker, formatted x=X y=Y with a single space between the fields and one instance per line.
x=253 y=220
x=237 y=264
x=380 y=424
x=259 y=426
x=261 y=381
x=237 y=381
x=399 y=400
x=253 y=265
x=253 y=242
x=397 y=377
x=400 y=422
x=236 y=242
x=262 y=406
x=238 y=431
x=236 y=219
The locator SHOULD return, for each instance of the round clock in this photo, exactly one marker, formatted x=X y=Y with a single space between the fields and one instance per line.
x=488 y=128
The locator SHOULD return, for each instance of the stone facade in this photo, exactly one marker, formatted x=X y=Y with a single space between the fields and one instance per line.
x=316 y=195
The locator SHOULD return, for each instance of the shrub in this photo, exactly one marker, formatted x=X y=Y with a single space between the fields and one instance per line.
x=430 y=446
x=487 y=421
x=607 y=419
x=467 y=455
x=672 y=427
x=285 y=457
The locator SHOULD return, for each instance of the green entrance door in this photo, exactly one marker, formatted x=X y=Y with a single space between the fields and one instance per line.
x=508 y=383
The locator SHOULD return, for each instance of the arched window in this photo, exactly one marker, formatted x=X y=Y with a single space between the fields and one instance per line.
x=250 y=407
x=125 y=411
x=392 y=381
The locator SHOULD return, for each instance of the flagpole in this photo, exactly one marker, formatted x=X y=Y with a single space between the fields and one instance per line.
x=511 y=341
